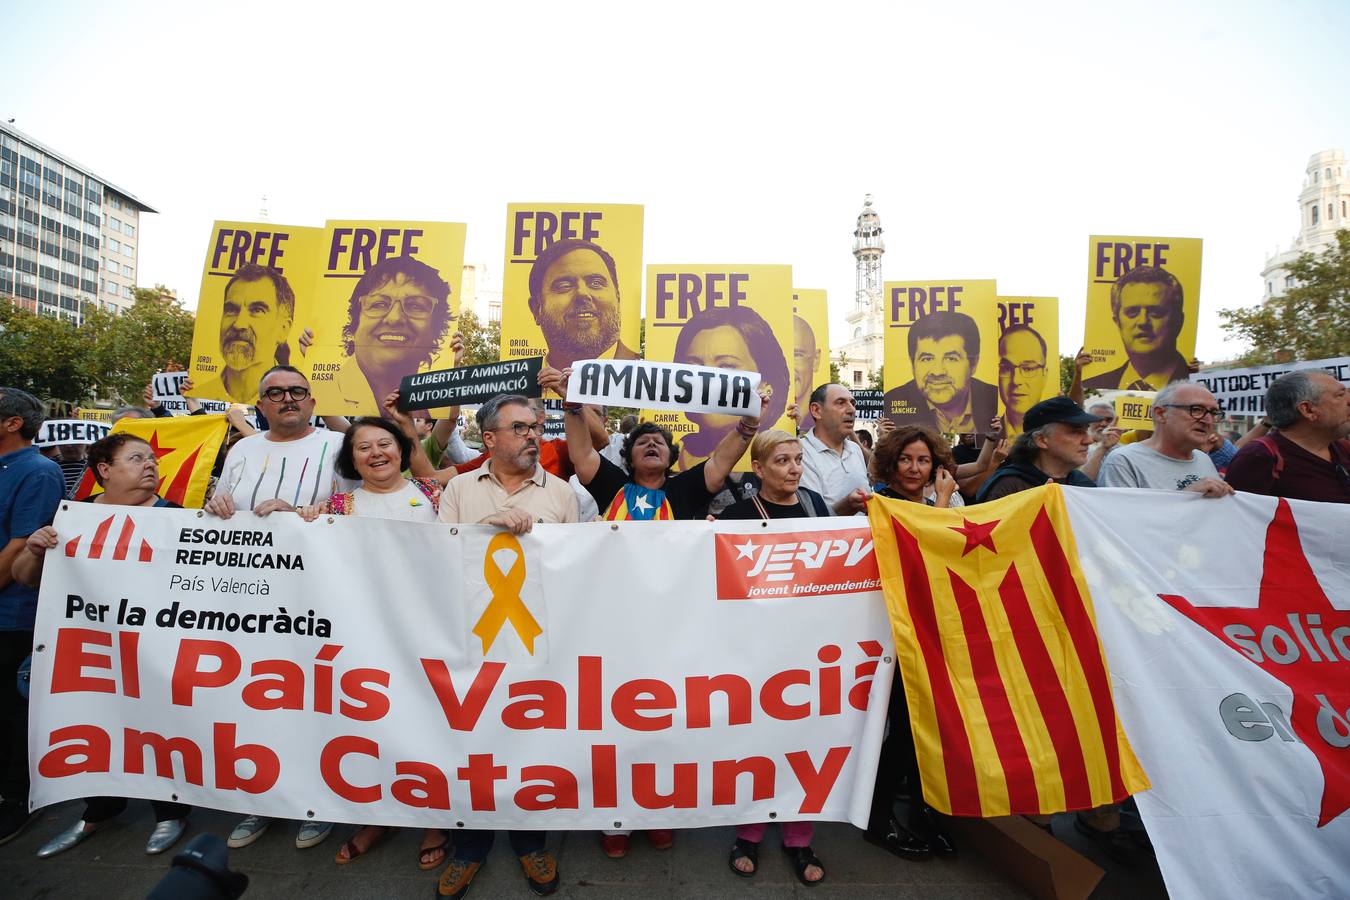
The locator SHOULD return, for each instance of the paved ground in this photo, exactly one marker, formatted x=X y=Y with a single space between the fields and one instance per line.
x=112 y=864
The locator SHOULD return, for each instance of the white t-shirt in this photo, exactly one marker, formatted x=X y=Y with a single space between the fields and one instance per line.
x=300 y=472
x=408 y=503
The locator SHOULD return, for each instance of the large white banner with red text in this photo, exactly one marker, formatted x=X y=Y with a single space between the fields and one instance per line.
x=1226 y=625
x=583 y=676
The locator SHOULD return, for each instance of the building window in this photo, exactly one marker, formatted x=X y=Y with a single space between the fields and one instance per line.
x=857 y=378
x=128 y=250
x=114 y=223
x=1315 y=210
x=1270 y=287
x=114 y=268
x=1328 y=173
x=115 y=244
x=1331 y=212
x=129 y=231
x=1342 y=209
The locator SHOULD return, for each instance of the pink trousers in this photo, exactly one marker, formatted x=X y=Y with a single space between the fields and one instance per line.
x=795 y=834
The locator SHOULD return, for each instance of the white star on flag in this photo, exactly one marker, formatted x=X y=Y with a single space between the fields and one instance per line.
x=641 y=504
x=747 y=550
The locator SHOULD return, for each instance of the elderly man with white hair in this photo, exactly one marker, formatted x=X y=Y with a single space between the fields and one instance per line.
x=1184 y=417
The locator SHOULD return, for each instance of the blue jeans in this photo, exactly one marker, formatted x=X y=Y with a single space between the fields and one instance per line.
x=472 y=845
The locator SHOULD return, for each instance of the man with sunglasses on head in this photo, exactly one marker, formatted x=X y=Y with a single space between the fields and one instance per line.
x=289 y=465
x=1173 y=459
x=397 y=319
x=1307 y=457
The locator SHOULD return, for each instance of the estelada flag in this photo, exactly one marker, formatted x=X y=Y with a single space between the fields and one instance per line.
x=186 y=447
x=1009 y=695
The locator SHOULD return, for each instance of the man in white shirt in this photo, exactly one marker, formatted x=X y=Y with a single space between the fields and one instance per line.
x=1171 y=460
x=832 y=464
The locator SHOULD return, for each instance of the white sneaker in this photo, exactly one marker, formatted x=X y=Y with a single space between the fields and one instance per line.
x=247 y=831
x=312 y=833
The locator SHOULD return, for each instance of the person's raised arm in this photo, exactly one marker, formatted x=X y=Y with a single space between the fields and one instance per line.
x=595 y=422
x=418 y=463
x=1093 y=467
x=580 y=443
x=985 y=461
x=731 y=448
x=194 y=406
x=336 y=424
x=1260 y=429
x=1076 y=386
x=237 y=416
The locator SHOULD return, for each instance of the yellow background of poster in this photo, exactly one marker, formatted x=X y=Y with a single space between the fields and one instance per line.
x=1108 y=259
x=1041 y=315
x=675 y=295
x=813 y=307
x=290 y=249
x=532 y=227
x=1134 y=410
x=347 y=250
x=906 y=302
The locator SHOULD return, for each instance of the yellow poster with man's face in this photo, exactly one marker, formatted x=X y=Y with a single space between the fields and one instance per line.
x=941 y=350
x=810 y=347
x=1143 y=305
x=572 y=282
x=731 y=317
x=1028 y=356
x=386 y=299
x=257 y=287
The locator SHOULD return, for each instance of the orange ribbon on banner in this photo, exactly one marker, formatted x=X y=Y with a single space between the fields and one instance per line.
x=506 y=604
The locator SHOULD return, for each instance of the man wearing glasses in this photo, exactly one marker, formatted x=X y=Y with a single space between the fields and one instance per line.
x=1184 y=416
x=944 y=348
x=289 y=465
x=512 y=492
x=1021 y=373
x=255 y=323
x=397 y=319
x=1308 y=456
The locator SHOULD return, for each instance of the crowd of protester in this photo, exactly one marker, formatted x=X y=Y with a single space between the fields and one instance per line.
x=409 y=467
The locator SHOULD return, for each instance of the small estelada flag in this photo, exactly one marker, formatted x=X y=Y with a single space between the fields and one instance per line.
x=1009 y=695
x=186 y=447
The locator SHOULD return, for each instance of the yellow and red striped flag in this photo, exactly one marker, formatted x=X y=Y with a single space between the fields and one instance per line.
x=186 y=447
x=1009 y=696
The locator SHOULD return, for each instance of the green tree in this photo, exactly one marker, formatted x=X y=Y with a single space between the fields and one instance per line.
x=52 y=359
x=130 y=347
x=878 y=378
x=482 y=343
x=1311 y=321
x=837 y=368
x=1065 y=373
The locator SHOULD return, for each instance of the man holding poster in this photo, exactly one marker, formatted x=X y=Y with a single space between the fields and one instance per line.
x=572 y=282
x=1150 y=333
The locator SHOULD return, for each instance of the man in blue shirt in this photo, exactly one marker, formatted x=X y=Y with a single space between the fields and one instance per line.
x=31 y=487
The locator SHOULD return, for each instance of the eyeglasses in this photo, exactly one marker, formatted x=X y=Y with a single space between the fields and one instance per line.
x=295 y=392
x=520 y=429
x=414 y=307
x=138 y=458
x=1196 y=411
x=1028 y=369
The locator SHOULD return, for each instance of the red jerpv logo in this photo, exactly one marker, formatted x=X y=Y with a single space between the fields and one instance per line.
x=796 y=564
x=100 y=540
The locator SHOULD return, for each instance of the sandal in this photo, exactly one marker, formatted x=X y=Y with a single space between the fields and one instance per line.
x=744 y=849
x=353 y=852
x=426 y=862
x=802 y=858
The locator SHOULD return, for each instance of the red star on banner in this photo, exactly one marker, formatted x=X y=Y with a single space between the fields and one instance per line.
x=1294 y=622
x=977 y=534
x=160 y=452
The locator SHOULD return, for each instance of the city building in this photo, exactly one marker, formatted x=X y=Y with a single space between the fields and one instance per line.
x=480 y=295
x=1324 y=208
x=68 y=238
x=861 y=354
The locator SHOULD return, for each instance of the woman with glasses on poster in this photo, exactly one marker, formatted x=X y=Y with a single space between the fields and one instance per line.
x=127 y=469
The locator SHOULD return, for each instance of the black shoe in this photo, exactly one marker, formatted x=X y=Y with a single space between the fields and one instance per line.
x=925 y=825
x=899 y=840
x=14 y=818
x=1118 y=844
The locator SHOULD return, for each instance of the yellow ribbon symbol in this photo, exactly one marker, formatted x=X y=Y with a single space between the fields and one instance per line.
x=506 y=603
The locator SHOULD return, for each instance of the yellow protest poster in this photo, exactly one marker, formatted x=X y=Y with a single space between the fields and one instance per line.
x=94 y=415
x=810 y=347
x=386 y=298
x=733 y=317
x=1028 y=356
x=186 y=448
x=941 y=359
x=257 y=286
x=1134 y=410
x=1143 y=305
x=572 y=282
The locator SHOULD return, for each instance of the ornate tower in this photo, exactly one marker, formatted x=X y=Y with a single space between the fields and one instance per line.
x=862 y=349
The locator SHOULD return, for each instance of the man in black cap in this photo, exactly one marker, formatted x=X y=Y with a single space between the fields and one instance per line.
x=1053 y=447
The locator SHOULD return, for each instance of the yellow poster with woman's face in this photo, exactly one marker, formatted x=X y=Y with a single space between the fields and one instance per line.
x=941 y=349
x=1143 y=305
x=386 y=301
x=572 y=282
x=1028 y=356
x=810 y=347
x=731 y=317
x=257 y=285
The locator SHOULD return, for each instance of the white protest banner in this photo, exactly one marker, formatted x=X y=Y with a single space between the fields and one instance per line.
x=1226 y=625
x=56 y=432
x=167 y=390
x=362 y=670
x=664 y=385
x=1243 y=391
